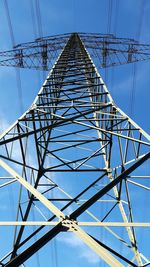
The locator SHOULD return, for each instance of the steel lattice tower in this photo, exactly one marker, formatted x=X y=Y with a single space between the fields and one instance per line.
x=75 y=135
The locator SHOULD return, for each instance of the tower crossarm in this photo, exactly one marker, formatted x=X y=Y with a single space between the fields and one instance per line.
x=106 y=49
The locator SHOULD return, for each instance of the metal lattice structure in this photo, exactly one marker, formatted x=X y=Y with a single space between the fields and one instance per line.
x=106 y=48
x=74 y=136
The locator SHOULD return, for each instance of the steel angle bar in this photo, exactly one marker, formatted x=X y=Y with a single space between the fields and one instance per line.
x=10 y=182
x=80 y=223
x=139 y=176
x=114 y=224
x=139 y=185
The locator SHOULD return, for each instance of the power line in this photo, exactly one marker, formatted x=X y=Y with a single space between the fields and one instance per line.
x=9 y=23
x=134 y=67
x=109 y=21
x=33 y=19
x=38 y=32
x=116 y=13
x=138 y=33
x=116 y=17
x=39 y=19
x=39 y=24
x=109 y=16
x=35 y=36
x=35 y=239
x=34 y=15
x=18 y=78
x=108 y=29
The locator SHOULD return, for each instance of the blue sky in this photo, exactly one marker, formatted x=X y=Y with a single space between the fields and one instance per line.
x=63 y=16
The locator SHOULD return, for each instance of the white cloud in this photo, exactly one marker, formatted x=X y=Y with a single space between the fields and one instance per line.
x=86 y=253
x=90 y=256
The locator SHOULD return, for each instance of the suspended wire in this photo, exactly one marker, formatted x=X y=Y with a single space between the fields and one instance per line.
x=138 y=37
x=13 y=43
x=41 y=34
x=74 y=15
x=38 y=32
x=116 y=14
x=109 y=22
x=109 y=16
x=134 y=68
x=139 y=30
x=35 y=239
x=108 y=29
x=39 y=20
x=54 y=246
x=39 y=25
x=35 y=33
x=10 y=191
x=35 y=30
x=116 y=17
x=18 y=78
x=55 y=252
x=117 y=7
x=33 y=19
x=9 y=23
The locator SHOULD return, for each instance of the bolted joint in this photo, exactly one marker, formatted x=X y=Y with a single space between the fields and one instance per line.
x=69 y=224
x=33 y=107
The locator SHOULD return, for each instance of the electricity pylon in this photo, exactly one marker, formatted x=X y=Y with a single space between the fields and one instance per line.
x=75 y=135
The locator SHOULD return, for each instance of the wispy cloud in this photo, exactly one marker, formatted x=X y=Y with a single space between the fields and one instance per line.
x=85 y=253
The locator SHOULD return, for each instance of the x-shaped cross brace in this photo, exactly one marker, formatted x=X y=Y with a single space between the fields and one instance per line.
x=69 y=223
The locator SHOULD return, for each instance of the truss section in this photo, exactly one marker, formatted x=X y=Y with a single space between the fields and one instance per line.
x=106 y=50
x=74 y=161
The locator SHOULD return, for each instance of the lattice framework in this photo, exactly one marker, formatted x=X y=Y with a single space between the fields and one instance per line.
x=74 y=128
